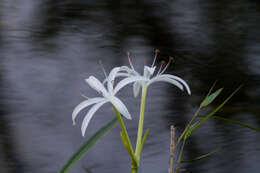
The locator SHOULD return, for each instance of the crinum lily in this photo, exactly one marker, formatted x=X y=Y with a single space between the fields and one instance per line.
x=144 y=81
x=149 y=77
x=108 y=94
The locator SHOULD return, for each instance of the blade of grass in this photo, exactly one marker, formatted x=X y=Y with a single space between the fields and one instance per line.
x=87 y=145
x=214 y=111
x=179 y=157
x=210 y=98
x=236 y=122
x=190 y=130
x=202 y=156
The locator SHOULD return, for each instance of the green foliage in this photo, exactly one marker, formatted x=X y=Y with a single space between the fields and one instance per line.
x=202 y=156
x=144 y=138
x=210 y=98
x=236 y=123
x=87 y=145
x=190 y=130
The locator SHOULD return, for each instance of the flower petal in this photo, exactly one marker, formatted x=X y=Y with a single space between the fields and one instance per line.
x=180 y=80
x=130 y=71
x=97 y=85
x=118 y=75
x=120 y=107
x=148 y=71
x=136 y=88
x=165 y=79
x=90 y=115
x=128 y=80
x=111 y=78
x=83 y=105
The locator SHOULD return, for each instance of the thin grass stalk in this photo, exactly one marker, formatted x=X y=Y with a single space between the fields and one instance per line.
x=172 y=146
x=179 y=157
x=188 y=126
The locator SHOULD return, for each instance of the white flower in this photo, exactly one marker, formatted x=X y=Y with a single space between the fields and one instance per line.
x=108 y=95
x=149 y=77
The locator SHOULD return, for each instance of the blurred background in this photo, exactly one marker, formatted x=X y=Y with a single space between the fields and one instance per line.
x=47 y=47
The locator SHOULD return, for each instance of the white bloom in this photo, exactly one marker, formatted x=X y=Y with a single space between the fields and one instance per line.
x=108 y=94
x=149 y=77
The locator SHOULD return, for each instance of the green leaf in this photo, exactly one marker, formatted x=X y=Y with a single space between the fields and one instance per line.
x=215 y=110
x=190 y=130
x=87 y=145
x=210 y=98
x=144 y=138
x=202 y=156
x=123 y=139
x=211 y=88
x=128 y=148
x=236 y=122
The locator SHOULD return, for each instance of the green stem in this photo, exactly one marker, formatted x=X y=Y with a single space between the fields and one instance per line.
x=140 y=124
x=134 y=170
x=179 y=157
x=187 y=127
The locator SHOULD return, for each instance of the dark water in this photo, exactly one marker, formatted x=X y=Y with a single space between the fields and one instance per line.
x=47 y=46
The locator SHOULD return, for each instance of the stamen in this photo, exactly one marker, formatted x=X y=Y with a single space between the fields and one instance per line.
x=162 y=63
x=130 y=61
x=167 y=65
x=82 y=95
x=102 y=67
x=157 y=51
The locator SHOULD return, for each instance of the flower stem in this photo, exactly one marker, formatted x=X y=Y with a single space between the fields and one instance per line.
x=140 y=125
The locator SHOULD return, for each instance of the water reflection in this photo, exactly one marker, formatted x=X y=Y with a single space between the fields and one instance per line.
x=47 y=46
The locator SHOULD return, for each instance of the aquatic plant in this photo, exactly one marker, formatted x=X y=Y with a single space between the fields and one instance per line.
x=108 y=91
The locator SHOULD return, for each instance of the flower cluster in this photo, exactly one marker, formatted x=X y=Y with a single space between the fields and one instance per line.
x=107 y=90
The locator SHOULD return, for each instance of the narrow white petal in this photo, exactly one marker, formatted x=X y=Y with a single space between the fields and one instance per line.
x=130 y=71
x=128 y=80
x=83 y=105
x=113 y=73
x=111 y=78
x=136 y=88
x=118 y=75
x=120 y=107
x=178 y=79
x=148 y=71
x=90 y=115
x=125 y=68
x=97 y=85
x=165 y=79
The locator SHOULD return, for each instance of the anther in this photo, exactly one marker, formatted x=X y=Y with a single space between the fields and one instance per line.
x=167 y=65
x=155 y=56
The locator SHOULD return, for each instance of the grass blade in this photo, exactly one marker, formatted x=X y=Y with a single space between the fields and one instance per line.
x=210 y=98
x=190 y=130
x=87 y=145
x=214 y=111
x=202 y=156
x=236 y=122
